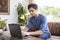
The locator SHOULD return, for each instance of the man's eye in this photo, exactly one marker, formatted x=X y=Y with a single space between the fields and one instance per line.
x=31 y=11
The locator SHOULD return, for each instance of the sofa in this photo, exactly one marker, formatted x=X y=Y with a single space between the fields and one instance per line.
x=54 y=28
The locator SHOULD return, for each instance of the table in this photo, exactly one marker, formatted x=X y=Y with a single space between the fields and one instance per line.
x=5 y=36
x=28 y=38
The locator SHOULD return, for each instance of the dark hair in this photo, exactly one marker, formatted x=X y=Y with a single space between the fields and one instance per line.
x=33 y=6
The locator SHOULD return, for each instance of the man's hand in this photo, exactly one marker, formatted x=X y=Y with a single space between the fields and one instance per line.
x=25 y=33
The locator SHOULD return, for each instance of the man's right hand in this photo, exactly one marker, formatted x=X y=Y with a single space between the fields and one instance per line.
x=25 y=33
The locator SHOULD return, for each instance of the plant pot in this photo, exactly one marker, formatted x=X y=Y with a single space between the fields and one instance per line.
x=1 y=31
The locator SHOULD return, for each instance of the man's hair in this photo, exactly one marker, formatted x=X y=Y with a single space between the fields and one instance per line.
x=33 y=6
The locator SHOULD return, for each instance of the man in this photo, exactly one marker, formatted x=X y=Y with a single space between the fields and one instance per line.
x=37 y=25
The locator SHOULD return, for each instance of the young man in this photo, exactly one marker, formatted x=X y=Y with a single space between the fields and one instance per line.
x=37 y=25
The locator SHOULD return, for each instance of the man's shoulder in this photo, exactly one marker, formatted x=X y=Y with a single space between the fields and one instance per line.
x=31 y=17
x=42 y=15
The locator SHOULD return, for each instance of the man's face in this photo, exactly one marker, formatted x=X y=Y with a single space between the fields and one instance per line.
x=32 y=11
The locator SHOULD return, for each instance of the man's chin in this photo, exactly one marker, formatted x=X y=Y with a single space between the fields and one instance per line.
x=32 y=15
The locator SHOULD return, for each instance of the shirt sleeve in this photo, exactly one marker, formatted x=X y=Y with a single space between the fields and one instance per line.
x=44 y=25
x=29 y=23
x=44 y=28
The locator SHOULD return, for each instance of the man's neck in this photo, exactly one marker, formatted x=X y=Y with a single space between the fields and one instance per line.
x=36 y=16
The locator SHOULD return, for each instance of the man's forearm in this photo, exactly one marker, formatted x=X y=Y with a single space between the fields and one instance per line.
x=32 y=33
x=37 y=32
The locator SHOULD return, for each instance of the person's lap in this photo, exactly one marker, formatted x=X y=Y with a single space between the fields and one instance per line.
x=42 y=37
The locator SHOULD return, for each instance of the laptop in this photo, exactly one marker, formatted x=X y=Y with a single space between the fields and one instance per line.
x=15 y=30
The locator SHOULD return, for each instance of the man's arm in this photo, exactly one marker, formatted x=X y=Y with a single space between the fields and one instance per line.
x=38 y=32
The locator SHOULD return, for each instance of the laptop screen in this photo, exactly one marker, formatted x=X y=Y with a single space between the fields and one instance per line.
x=15 y=30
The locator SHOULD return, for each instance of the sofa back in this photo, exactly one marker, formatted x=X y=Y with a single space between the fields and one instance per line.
x=54 y=28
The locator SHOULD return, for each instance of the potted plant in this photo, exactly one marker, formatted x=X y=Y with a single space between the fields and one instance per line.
x=2 y=24
x=22 y=17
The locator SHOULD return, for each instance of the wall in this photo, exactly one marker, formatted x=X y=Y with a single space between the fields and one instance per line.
x=13 y=16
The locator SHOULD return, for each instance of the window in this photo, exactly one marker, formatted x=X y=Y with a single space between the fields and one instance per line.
x=51 y=8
